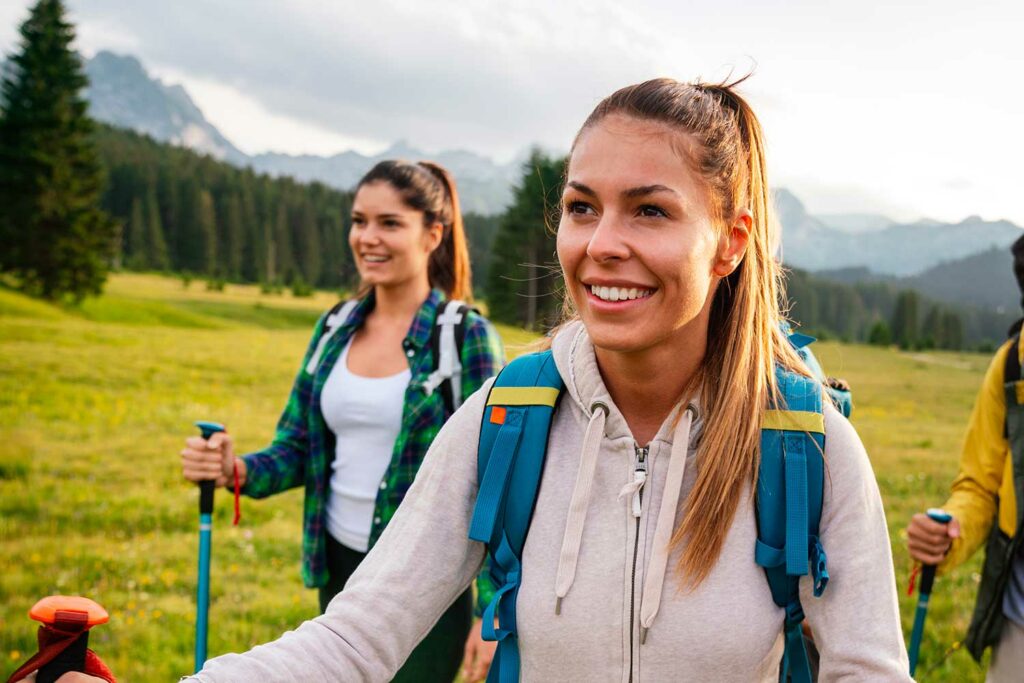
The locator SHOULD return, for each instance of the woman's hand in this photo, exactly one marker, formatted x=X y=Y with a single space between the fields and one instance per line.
x=928 y=541
x=478 y=655
x=210 y=459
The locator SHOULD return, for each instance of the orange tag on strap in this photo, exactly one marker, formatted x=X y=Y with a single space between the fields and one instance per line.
x=498 y=415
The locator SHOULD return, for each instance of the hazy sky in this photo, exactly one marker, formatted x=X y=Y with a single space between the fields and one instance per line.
x=911 y=109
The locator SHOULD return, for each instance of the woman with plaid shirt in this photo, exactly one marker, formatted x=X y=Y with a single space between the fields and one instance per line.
x=363 y=400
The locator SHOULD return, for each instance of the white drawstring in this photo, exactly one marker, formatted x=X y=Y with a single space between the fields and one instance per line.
x=578 y=504
x=650 y=600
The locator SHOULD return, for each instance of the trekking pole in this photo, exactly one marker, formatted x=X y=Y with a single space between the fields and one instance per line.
x=927 y=579
x=206 y=489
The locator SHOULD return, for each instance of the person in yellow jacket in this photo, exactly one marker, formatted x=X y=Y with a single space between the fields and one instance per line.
x=987 y=505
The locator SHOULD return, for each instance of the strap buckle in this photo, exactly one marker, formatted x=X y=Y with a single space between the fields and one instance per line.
x=794 y=615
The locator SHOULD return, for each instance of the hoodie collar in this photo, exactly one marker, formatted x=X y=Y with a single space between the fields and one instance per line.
x=577 y=364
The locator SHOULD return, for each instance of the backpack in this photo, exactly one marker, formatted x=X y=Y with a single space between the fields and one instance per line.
x=513 y=441
x=446 y=340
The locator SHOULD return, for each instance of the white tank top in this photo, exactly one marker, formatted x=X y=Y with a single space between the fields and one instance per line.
x=365 y=415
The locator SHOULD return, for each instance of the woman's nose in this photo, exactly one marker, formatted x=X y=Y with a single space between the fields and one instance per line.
x=606 y=241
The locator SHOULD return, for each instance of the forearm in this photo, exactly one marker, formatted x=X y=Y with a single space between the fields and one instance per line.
x=272 y=470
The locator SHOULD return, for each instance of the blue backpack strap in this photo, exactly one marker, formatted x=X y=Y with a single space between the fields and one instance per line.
x=790 y=485
x=513 y=442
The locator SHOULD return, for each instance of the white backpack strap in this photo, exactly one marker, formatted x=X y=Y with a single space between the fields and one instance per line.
x=331 y=325
x=449 y=366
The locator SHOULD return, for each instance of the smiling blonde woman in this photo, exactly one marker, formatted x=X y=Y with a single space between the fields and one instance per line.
x=665 y=246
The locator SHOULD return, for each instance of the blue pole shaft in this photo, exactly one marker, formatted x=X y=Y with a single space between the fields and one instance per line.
x=918 y=632
x=203 y=589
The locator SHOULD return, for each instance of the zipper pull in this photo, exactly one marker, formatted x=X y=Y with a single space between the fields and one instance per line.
x=639 y=479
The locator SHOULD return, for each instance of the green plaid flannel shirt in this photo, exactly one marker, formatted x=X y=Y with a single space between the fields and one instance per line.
x=303 y=447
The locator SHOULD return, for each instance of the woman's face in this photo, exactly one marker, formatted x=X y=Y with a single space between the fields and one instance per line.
x=639 y=250
x=389 y=242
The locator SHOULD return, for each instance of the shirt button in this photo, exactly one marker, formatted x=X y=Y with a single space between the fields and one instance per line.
x=376 y=520
x=410 y=353
x=383 y=485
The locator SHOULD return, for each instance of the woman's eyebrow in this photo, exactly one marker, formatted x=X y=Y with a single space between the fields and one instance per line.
x=644 y=190
x=631 y=193
x=581 y=188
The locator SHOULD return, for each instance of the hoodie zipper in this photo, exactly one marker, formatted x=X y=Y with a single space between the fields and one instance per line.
x=639 y=475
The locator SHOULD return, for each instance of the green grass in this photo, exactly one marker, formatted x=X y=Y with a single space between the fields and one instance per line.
x=95 y=402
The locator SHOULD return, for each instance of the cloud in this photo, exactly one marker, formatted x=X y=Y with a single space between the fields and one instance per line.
x=489 y=76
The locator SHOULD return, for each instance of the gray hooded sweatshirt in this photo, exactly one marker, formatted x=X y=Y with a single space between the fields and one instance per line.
x=598 y=548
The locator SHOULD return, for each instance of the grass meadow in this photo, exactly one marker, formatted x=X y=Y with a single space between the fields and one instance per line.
x=95 y=402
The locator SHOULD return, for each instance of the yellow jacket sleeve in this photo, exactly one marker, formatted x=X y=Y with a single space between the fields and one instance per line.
x=974 y=496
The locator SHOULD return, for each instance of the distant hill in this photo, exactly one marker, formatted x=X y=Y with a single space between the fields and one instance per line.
x=855 y=223
x=484 y=186
x=123 y=94
x=900 y=249
x=984 y=280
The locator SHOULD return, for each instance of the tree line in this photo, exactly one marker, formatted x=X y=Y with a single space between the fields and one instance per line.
x=183 y=212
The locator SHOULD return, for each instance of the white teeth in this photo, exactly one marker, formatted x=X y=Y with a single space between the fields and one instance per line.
x=619 y=293
x=374 y=258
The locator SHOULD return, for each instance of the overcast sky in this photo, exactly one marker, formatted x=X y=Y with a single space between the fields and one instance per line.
x=909 y=109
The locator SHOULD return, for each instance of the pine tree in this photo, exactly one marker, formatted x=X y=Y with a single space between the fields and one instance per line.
x=156 y=257
x=57 y=241
x=283 y=260
x=904 y=319
x=232 y=234
x=136 y=248
x=932 y=332
x=208 y=232
x=524 y=281
x=952 y=331
x=307 y=244
x=879 y=335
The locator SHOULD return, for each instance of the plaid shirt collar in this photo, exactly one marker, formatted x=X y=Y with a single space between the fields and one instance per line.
x=420 y=330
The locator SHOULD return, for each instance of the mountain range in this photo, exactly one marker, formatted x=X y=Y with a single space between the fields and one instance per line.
x=942 y=259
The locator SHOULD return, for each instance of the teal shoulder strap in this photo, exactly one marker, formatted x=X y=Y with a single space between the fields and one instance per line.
x=790 y=486
x=513 y=442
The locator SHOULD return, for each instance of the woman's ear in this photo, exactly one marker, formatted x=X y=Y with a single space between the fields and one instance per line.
x=434 y=236
x=733 y=244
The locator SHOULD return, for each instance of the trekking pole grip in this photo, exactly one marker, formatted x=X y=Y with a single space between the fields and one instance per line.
x=928 y=570
x=206 y=488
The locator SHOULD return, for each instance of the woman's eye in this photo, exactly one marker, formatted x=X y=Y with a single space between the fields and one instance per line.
x=578 y=207
x=392 y=224
x=358 y=220
x=651 y=211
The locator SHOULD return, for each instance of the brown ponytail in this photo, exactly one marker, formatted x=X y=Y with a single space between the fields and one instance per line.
x=449 y=266
x=428 y=187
